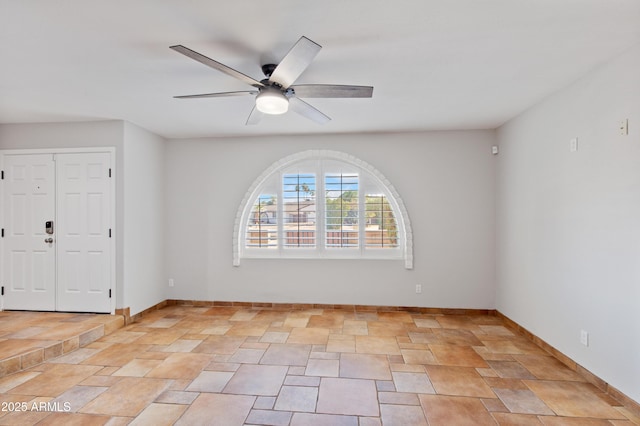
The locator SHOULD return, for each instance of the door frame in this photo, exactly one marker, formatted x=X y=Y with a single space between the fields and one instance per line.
x=112 y=211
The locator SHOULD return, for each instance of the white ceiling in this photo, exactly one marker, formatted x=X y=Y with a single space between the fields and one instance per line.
x=435 y=64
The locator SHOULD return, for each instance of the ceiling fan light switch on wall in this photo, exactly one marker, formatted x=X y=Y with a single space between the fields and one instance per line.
x=584 y=337
x=573 y=145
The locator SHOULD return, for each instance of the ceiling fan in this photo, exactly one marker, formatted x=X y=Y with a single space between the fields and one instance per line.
x=276 y=93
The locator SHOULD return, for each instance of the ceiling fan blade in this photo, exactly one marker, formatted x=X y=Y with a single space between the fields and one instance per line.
x=218 y=95
x=306 y=110
x=332 y=91
x=254 y=117
x=295 y=62
x=216 y=65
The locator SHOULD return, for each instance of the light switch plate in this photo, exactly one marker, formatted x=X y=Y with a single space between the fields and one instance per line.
x=584 y=337
x=624 y=127
x=573 y=145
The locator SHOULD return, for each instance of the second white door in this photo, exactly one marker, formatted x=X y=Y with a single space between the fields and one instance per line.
x=83 y=236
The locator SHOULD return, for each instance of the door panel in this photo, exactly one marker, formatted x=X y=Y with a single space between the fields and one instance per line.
x=83 y=214
x=28 y=262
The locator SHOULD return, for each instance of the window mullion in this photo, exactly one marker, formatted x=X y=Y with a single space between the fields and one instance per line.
x=280 y=217
x=342 y=218
x=320 y=206
x=362 y=226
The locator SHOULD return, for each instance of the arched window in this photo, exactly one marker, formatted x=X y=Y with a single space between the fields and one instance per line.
x=322 y=204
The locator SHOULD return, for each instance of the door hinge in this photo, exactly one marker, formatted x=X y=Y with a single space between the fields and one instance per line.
x=109 y=293
x=2 y=232
x=2 y=175
x=109 y=232
x=2 y=291
x=109 y=172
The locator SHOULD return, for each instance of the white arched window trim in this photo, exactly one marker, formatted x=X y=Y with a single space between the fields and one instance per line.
x=394 y=199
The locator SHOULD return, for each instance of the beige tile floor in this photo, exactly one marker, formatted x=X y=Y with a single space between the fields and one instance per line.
x=243 y=366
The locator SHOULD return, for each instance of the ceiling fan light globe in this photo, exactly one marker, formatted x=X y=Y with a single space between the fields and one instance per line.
x=272 y=102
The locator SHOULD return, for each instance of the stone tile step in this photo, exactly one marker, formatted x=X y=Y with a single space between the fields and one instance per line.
x=31 y=338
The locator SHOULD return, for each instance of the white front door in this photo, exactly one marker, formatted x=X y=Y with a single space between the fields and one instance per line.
x=28 y=259
x=83 y=213
x=69 y=269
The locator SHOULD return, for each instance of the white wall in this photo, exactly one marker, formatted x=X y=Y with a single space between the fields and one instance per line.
x=144 y=223
x=75 y=135
x=446 y=180
x=569 y=222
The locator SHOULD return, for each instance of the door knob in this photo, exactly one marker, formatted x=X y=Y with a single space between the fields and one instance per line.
x=48 y=240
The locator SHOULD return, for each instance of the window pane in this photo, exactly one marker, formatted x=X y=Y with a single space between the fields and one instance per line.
x=381 y=228
x=299 y=220
x=341 y=210
x=262 y=227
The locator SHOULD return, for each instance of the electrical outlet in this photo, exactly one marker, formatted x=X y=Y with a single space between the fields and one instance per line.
x=584 y=337
x=418 y=288
x=170 y=282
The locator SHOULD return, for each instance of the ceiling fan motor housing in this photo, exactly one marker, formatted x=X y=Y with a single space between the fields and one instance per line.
x=267 y=69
